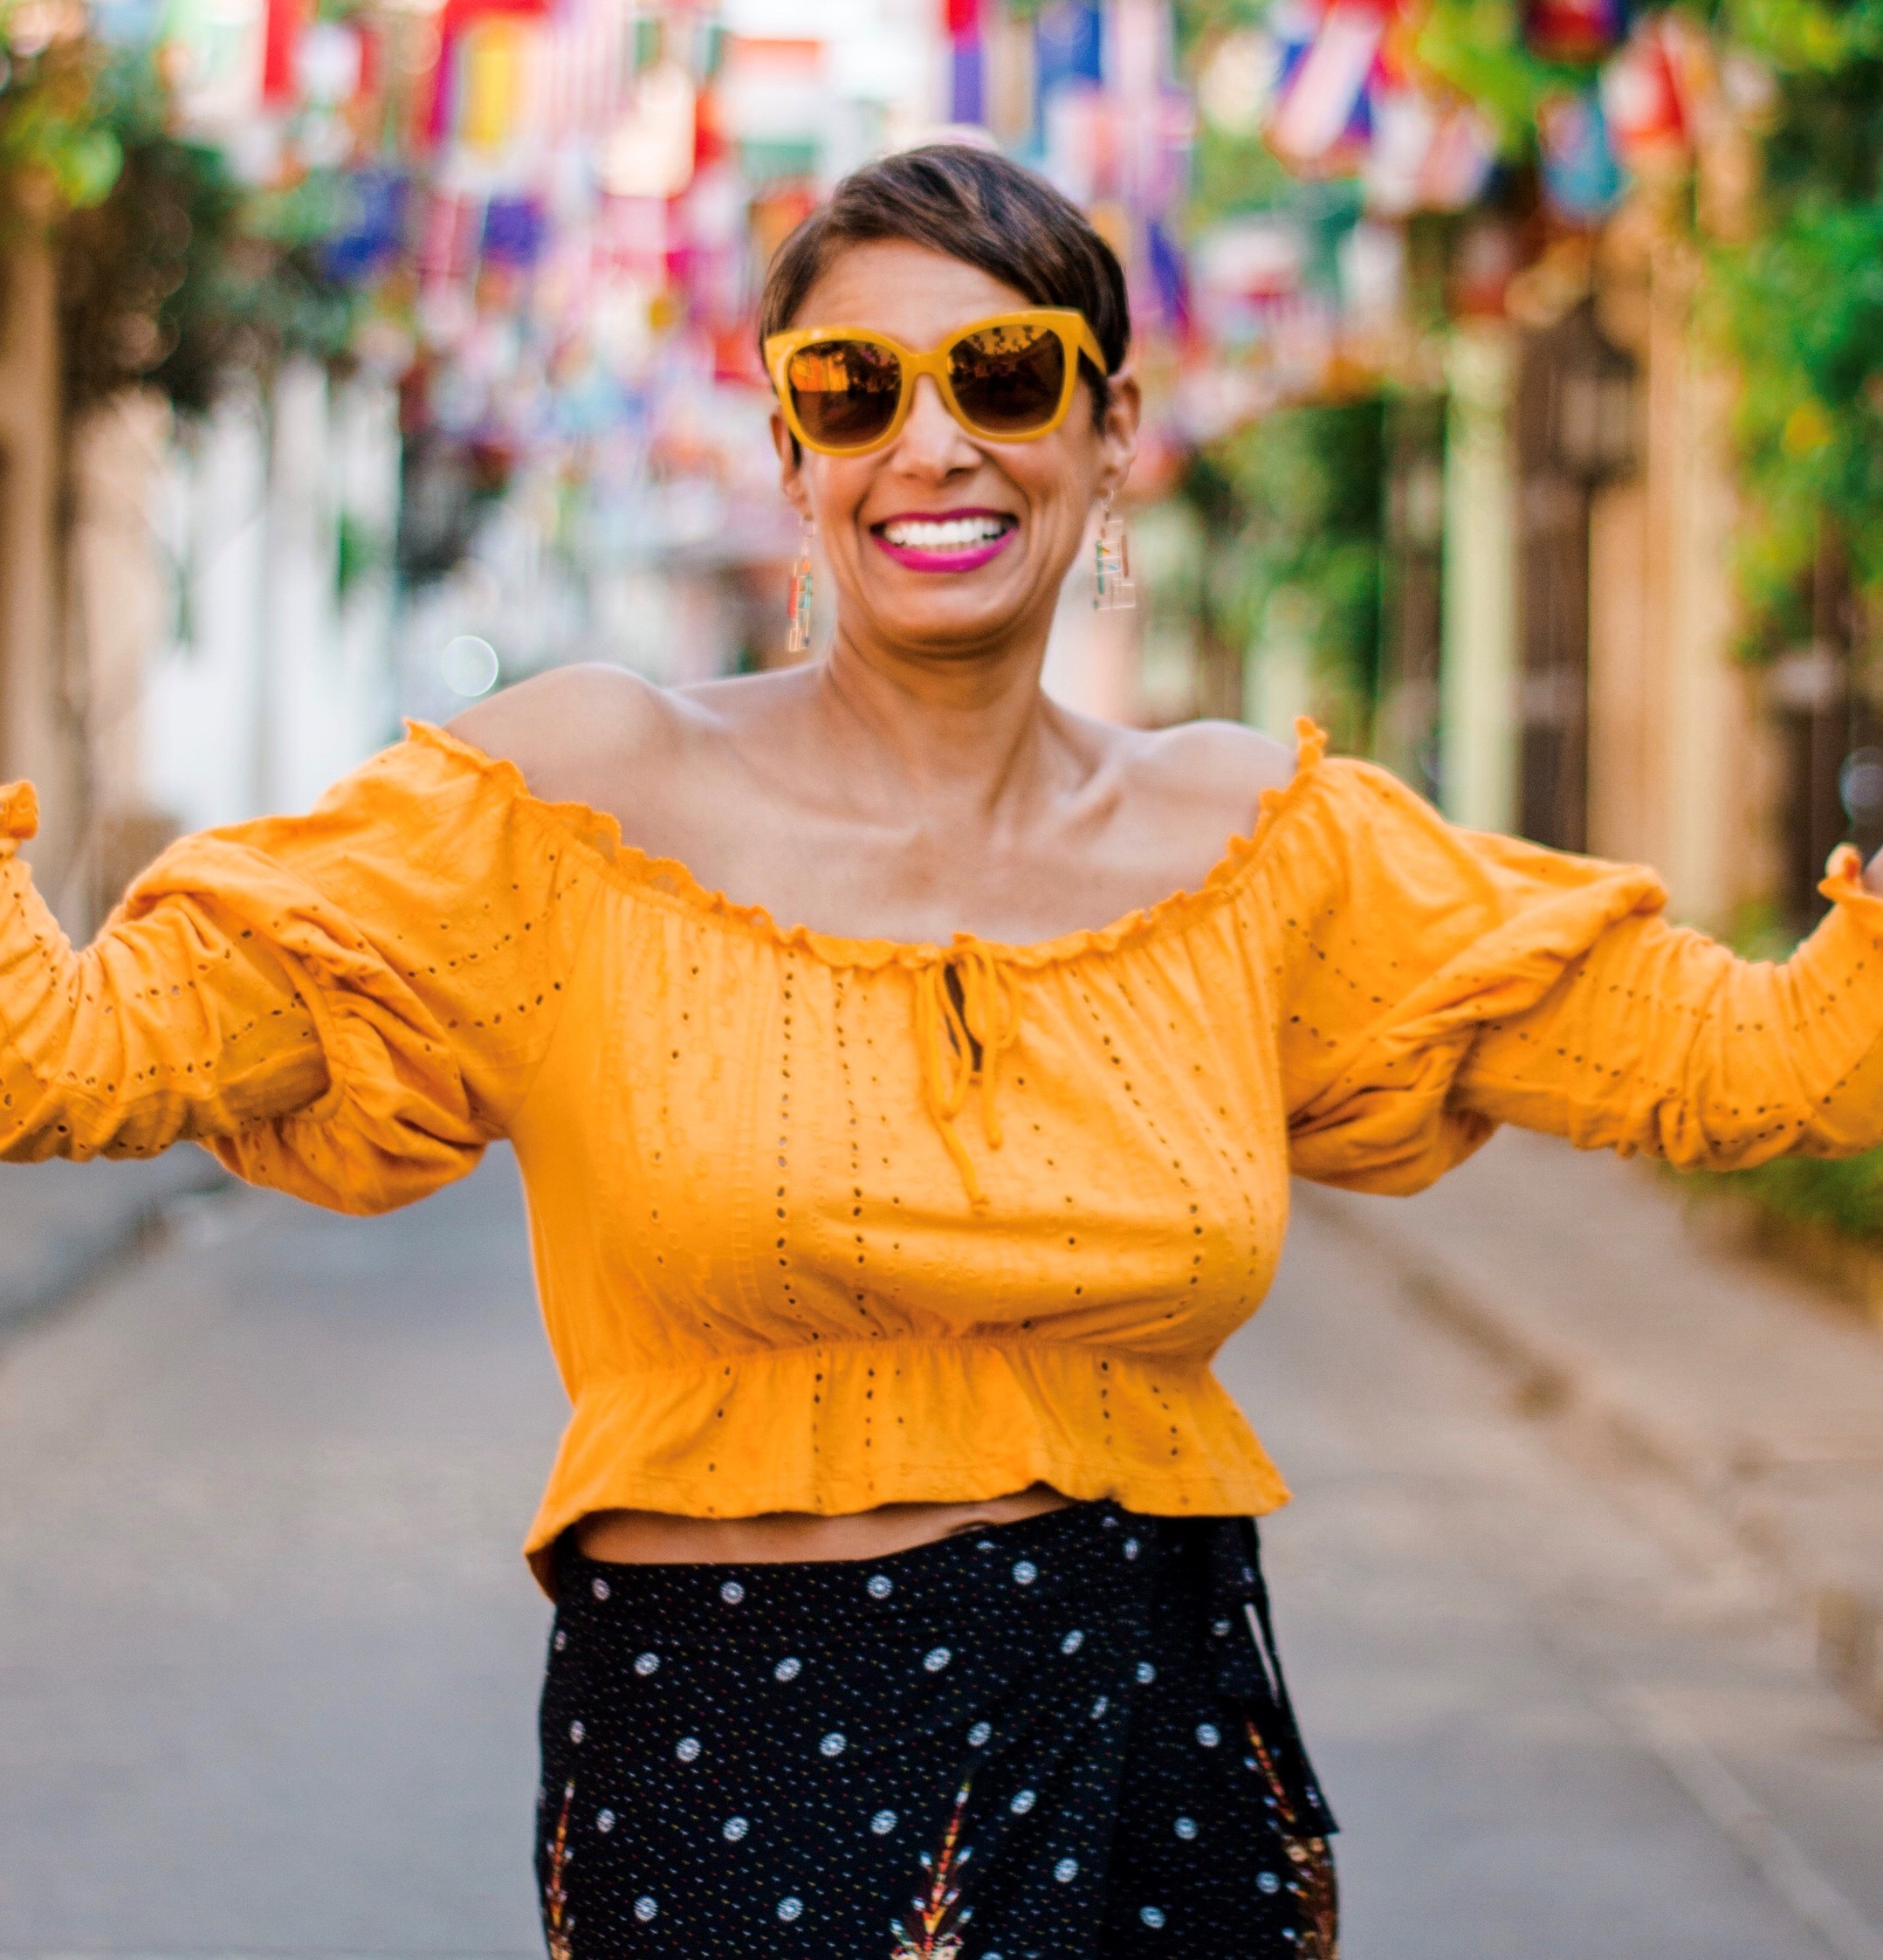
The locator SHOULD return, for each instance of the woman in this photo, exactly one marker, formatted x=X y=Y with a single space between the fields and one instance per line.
x=903 y=1607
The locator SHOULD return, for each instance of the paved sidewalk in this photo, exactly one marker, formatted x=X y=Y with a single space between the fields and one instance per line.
x=1624 y=1315
x=62 y=1225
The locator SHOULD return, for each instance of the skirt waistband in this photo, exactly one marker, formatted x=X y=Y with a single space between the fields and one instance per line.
x=1110 y=1561
x=1042 y=1557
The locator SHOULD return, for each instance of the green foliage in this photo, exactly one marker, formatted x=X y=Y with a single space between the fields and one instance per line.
x=1845 y=1194
x=1200 y=21
x=1231 y=174
x=1293 y=507
x=1802 y=308
x=1799 y=37
x=56 y=154
x=362 y=553
x=1477 y=45
x=183 y=278
x=1798 y=307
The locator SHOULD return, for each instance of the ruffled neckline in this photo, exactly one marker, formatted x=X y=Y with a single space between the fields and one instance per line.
x=669 y=879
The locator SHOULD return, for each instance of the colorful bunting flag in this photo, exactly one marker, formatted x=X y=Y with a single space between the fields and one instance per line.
x=1582 y=180
x=1323 y=107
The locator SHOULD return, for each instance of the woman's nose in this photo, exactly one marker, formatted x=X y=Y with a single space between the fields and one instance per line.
x=931 y=436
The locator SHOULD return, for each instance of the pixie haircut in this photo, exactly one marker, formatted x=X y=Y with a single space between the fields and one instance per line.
x=974 y=205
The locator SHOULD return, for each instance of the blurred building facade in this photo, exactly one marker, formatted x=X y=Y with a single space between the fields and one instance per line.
x=1594 y=694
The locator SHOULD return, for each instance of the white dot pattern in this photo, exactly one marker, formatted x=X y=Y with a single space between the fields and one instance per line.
x=783 y=1769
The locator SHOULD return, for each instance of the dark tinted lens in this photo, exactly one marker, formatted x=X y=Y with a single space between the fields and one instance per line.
x=1009 y=379
x=844 y=391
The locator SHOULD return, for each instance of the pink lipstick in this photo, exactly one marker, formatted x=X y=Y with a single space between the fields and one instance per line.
x=956 y=541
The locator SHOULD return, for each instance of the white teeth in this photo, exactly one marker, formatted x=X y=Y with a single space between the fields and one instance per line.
x=954 y=533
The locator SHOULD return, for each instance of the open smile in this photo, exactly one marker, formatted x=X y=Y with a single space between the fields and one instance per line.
x=946 y=540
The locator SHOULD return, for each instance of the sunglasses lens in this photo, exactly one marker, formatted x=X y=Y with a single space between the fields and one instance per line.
x=1008 y=380
x=844 y=392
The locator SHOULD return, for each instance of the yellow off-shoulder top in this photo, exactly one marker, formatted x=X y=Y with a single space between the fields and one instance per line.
x=824 y=1223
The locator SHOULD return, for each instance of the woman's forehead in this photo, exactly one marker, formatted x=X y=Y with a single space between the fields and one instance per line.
x=904 y=290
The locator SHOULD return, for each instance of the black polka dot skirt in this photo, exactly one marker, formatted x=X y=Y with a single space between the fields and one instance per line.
x=1055 y=1739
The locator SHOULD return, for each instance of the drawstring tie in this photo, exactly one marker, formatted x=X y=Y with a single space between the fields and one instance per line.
x=967 y=1016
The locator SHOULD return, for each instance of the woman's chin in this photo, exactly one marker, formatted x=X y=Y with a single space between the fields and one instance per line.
x=956 y=615
x=968 y=632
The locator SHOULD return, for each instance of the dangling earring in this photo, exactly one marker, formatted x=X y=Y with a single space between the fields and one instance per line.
x=1113 y=588
x=799 y=640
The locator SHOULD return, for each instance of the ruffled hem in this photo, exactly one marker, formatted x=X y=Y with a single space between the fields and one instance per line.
x=667 y=879
x=839 y=1427
x=19 y=812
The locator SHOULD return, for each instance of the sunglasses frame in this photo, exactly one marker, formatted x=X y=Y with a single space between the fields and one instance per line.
x=1073 y=329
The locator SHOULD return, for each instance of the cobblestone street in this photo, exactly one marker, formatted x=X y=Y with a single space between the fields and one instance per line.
x=268 y=1655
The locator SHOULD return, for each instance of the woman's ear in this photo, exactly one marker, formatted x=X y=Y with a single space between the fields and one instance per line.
x=1118 y=434
x=790 y=466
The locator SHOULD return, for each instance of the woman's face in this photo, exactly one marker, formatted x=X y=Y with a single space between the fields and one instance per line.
x=1017 y=511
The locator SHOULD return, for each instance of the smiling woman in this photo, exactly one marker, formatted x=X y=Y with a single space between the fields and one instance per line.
x=906 y=1076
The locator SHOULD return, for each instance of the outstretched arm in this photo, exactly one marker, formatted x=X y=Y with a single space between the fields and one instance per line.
x=180 y=1024
x=1430 y=983
x=348 y=1005
x=1661 y=1041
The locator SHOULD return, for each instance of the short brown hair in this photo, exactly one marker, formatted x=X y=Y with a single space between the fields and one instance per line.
x=979 y=207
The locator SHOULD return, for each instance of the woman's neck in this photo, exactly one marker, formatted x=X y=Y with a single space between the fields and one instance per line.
x=976 y=734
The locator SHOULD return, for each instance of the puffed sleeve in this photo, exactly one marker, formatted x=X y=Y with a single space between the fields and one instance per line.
x=348 y=1005
x=1432 y=982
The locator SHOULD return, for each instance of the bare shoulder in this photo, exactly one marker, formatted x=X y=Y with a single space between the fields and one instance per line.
x=575 y=726
x=660 y=761
x=1211 y=773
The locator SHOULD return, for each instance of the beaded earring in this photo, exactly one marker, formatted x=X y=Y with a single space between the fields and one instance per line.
x=799 y=639
x=1113 y=588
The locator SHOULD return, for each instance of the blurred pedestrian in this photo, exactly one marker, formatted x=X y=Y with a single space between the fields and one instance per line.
x=909 y=1602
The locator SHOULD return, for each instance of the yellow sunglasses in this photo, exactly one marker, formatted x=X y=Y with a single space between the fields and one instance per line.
x=1010 y=378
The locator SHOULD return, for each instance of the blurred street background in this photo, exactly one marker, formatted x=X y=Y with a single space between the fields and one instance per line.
x=1515 y=376
x=1568 y=1471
